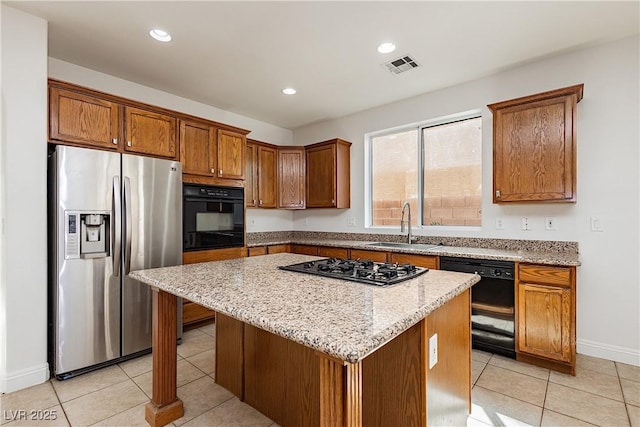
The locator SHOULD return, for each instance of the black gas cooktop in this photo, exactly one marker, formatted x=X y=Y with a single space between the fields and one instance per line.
x=362 y=271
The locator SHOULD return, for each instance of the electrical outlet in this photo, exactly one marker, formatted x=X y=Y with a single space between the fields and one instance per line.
x=526 y=225
x=351 y=221
x=306 y=221
x=499 y=224
x=252 y=222
x=550 y=223
x=433 y=350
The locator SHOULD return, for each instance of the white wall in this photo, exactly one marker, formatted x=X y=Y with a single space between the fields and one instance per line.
x=608 y=320
x=257 y=219
x=23 y=165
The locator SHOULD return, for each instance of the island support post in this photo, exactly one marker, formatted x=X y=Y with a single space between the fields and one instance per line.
x=165 y=406
x=340 y=392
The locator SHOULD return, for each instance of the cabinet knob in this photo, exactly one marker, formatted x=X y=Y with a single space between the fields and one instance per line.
x=333 y=201
x=260 y=201
x=220 y=171
x=213 y=170
x=254 y=201
x=128 y=143
x=497 y=194
x=115 y=141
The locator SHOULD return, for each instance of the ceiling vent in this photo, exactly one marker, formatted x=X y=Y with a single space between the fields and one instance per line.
x=402 y=64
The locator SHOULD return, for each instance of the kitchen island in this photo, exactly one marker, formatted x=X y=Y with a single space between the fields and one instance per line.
x=307 y=350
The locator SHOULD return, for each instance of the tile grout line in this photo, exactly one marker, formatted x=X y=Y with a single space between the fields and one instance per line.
x=624 y=398
x=66 y=417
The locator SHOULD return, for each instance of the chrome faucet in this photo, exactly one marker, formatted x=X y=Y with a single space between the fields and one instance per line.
x=407 y=206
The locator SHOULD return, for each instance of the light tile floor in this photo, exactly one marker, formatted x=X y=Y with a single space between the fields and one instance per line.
x=505 y=393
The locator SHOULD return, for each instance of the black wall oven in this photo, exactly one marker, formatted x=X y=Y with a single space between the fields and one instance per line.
x=213 y=217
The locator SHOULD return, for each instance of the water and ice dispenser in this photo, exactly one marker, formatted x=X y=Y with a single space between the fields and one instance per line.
x=87 y=234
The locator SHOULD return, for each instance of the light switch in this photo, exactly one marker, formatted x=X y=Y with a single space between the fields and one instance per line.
x=596 y=224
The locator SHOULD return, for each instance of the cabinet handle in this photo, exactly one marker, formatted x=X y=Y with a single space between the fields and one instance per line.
x=213 y=170
x=260 y=201
x=115 y=141
x=497 y=194
x=254 y=201
x=128 y=143
x=333 y=201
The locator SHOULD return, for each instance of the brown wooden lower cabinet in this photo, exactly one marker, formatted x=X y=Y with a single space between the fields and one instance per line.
x=546 y=316
x=427 y=261
x=304 y=249
x=333 y=252
x=194 y=314
x=283 y=379
x=376 y=256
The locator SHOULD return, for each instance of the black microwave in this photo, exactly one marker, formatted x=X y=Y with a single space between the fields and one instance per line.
x=213 y=217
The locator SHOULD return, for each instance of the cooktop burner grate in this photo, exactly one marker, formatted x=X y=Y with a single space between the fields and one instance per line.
x=359 y=270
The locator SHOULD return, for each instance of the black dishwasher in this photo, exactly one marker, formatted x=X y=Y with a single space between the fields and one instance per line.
x=492 y=303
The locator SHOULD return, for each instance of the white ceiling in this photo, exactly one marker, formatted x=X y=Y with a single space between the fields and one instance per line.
x=239 y=55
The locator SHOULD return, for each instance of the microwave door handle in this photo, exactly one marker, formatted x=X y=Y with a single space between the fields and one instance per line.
x=127 y=225
x=116 y=227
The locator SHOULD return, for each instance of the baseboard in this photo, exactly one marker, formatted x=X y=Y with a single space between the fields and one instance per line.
x=616 y=353
x=25 y=378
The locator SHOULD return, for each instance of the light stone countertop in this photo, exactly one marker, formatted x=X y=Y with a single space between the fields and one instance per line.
x=343 y=319
x=549 y=258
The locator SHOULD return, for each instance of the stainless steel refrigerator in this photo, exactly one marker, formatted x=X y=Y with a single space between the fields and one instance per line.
x=109 y=214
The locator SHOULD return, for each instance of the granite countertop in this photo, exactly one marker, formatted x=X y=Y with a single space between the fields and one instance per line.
x=343 y=319
x=537 y=257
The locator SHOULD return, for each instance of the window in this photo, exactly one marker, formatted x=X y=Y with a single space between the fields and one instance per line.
x=443 y=184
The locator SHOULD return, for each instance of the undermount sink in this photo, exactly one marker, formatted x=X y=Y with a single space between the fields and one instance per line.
x=422 y=246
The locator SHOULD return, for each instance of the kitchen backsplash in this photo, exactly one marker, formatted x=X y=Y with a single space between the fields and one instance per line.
x=273 y=237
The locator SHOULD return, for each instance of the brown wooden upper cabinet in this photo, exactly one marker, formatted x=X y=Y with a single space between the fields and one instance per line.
x=197 y=148
x=151 y=133
x=291 y=173
x=328 y=174
x=83 y=119
x=534 y=147
x=209 y=155
x=251 y=175
x=261 y=163
x=231 y=148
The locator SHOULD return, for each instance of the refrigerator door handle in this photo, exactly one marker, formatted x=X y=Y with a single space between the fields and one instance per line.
x=127 y=225
x=116 y=228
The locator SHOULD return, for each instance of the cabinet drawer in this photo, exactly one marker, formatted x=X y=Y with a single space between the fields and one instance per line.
x=544 y=274
x=333 y=252
x=258 y=250
x=277 y=249
x=376 y=256
x=304 y=249
x=426 y=261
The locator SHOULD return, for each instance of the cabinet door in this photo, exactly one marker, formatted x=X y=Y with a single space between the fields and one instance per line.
x=291 y=172
x=321 y=177
x=251 y=176
x=82 y=119
x=150 y=133
x=426 y=261
x=231 y=150
x=544 y=321
x=197 y=153
x=267 y=181
x=534 y=155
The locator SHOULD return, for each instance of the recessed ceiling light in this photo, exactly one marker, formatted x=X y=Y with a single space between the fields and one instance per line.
x=160 y=35
x=386 y=47
x=289 y=91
